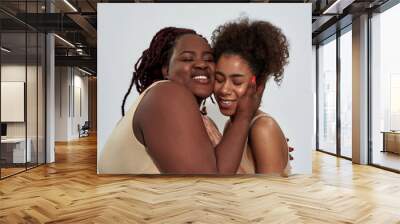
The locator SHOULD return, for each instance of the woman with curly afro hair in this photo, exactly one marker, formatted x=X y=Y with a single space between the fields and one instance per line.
x=163 y=132
x=247 y=50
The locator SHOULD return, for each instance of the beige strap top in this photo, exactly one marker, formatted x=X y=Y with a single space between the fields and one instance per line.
x=247 y=164
x=123 y=153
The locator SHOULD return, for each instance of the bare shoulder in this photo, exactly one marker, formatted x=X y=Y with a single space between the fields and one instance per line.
x=269 y=145
x=168 y=97
x=172 y=130
x=164 y=101
x=266 y=124
x=169 y=90
x=266 y=131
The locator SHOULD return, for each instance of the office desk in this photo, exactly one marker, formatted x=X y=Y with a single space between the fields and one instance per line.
x=13 y=150
x=391 y=141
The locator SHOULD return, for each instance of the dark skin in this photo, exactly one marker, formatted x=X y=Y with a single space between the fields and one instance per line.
x=266 y=139
x=173 y=134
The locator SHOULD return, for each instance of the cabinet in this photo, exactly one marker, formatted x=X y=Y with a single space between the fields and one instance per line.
x=391 y=141
x=13 y=150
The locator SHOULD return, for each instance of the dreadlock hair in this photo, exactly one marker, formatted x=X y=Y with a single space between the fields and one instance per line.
x=149 y=65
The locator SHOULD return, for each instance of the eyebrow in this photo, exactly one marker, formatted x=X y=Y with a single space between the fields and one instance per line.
x=236 y=75
x=192 y=52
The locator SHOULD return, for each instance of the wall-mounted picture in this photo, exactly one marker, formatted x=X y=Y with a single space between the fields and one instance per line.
x=213 y=89
x=12 y=98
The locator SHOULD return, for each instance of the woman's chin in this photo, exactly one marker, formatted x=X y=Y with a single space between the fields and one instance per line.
x=227 y=112
x=202 y=93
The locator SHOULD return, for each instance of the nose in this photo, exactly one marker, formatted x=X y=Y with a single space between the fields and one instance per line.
x=226 y=89
x=201 y=64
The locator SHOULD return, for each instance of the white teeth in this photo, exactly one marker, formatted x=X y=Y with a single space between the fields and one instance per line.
x=200 y=77
x=225 y=102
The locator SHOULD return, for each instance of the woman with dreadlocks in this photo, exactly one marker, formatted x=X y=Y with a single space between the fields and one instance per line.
x=163 y=132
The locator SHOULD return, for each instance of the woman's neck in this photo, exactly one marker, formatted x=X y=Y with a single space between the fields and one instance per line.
x=255 y=114
x=199 y=100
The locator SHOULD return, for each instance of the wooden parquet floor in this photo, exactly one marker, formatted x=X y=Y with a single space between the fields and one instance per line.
x=10 y=171
x=70 y=191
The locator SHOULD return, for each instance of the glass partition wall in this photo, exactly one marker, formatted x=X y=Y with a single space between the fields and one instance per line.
x=334 y=89
x=327 y=95
x=385 y=90
x=345 y=61
x=22 y=78
x=334 y=75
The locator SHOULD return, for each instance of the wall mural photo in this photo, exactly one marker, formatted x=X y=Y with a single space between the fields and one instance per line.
x=181 y=93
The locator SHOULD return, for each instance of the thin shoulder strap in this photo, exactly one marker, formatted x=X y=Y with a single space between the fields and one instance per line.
x=256 y=117
x=252 y=121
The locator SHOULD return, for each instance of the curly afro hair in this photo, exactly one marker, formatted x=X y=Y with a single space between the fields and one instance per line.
x=260 y=43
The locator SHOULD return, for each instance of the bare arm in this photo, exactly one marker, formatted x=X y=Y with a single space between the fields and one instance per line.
x=269 y=146
x=173 y=132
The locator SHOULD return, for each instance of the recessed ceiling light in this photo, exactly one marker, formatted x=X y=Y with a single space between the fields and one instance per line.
x=337 y=7
x=84 y=71
x=64 y=40
x=5 y=50
x=70 y=5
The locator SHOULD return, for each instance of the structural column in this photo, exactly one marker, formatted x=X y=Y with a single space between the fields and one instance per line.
x=50 y=92
x=360 y=90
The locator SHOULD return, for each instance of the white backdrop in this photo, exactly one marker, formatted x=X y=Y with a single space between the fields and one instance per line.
x=125 y=30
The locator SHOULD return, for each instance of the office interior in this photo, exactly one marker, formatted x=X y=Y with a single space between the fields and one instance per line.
x=48 y=81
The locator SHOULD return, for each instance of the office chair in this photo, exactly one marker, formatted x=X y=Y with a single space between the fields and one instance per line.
x=84 y=130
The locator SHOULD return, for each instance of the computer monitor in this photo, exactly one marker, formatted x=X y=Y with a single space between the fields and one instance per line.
x=3 y=129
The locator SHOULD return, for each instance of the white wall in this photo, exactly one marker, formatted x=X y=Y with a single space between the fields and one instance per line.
x=61 y=103
x=33 y=126
x=17 y=73
x=80 y=84
x=69 y=81
x=120 y=44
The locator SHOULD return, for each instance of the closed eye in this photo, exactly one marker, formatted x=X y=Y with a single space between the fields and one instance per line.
x=209 y=59
x=219 y=78
x=187 y=59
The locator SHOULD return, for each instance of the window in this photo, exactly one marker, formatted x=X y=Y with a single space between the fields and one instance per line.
x=346 y=94
x=385 y=89
x=327 y=96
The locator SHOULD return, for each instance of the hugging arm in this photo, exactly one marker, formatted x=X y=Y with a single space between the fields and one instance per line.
x=172 y=129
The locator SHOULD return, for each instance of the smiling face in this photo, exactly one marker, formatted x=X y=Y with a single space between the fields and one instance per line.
x=192 y=64
x=232 y=77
